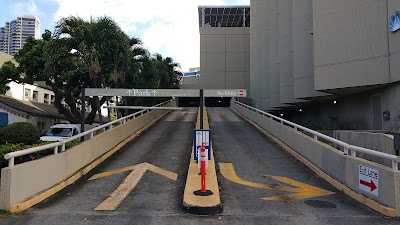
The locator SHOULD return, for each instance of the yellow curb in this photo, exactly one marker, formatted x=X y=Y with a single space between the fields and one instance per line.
x=202 y=204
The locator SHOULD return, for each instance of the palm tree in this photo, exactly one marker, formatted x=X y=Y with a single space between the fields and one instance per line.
x=104 y=50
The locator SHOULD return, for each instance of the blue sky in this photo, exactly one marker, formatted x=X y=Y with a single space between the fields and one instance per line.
x=171 y=28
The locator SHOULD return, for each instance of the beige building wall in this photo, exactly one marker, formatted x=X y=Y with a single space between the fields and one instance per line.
x=394 y=43
x=259 y=57
x=303 y=50
x=225 y=57
x=335 y=54
x=274 y=67
x=350 y=43
x=190 y=83
x=286 y=52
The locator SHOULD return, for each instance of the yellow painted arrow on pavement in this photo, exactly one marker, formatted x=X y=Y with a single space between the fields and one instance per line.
x=122 y=191
x=300 y=190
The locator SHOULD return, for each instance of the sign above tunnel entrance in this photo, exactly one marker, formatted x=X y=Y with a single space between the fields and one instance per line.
x=165 y=92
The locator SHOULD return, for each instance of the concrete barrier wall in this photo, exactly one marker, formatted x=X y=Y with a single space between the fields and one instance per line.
x=377 y=141
x=25 y=180
x=343 y=168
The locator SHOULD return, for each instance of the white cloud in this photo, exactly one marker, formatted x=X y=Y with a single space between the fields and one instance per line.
x=26 y=8
x=172 y=26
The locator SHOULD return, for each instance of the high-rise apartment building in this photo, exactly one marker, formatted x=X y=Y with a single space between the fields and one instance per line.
x=14 y=34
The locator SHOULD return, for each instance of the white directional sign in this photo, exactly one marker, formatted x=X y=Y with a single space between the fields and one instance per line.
x=368 y=179
x=200 y=136
x=165 y=92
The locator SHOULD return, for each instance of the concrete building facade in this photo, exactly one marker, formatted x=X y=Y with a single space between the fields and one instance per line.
x=326 y=63
x=14 y=34
x=224 y=47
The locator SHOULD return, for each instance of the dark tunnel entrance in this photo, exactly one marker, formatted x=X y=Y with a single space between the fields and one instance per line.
x=209 y=102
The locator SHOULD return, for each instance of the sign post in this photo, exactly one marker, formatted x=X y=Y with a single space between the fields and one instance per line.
x=200 y=136
x=201 y=108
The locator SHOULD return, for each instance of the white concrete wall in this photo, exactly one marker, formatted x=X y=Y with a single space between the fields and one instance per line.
x=376 y=141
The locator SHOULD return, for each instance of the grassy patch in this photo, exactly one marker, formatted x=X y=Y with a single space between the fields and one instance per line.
x=4 y=212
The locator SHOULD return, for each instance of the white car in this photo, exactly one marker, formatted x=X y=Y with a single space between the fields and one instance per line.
x=59 y=132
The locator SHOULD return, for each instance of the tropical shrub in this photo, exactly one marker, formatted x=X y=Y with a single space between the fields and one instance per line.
x=20 y=133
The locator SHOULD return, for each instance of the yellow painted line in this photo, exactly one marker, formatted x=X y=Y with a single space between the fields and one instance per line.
x=163 y=172
x=300 y=190
x=303 y=190
x=130 y=182
x=229 y=173
x=182 y=114
x=109 y=173
x=155 y=169
x=123 y=190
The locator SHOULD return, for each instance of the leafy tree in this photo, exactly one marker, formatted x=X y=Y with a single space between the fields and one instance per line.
x=8 y=72
x=96 y=54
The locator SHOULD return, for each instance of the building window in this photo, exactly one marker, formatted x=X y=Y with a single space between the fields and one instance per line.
x=41 y=126
x=46 y=98
x=52 y=99
x=35 y=96
x=27 y=93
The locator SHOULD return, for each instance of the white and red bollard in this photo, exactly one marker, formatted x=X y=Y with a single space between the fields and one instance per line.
x=203 y=164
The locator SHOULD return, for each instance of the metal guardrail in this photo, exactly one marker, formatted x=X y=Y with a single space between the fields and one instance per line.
x=10 y=156
x=347 y=148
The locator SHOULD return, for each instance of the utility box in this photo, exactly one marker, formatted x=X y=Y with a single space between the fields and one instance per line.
x=386 y=115
x=3 y=119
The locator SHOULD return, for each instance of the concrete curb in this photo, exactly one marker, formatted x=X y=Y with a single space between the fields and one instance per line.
x=202 y=205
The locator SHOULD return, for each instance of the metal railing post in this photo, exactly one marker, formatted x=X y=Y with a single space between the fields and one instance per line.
x=11 y=162
x=395 y=165
x=346 y=150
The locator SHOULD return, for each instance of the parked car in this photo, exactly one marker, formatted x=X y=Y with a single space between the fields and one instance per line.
x=59 y=132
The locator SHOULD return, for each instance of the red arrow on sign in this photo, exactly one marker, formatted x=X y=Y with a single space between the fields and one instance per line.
x=369 y=184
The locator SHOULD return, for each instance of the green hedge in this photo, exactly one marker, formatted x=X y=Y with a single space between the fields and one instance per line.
x=6 y=148
x=2 y=139
x=20 y=132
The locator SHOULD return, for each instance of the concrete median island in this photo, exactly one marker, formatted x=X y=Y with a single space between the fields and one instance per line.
x=196 y=204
